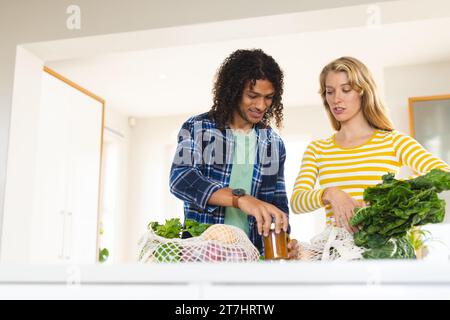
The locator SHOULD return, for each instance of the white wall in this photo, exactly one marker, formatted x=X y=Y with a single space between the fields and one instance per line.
x=403 y=82
x=118 y=130
x=19 y=191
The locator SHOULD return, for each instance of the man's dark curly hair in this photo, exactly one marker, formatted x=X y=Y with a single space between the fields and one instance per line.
x=240 y=67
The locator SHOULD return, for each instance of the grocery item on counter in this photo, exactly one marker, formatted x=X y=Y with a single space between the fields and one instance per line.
x=275 y=245
x=204 y=243
x=395 y=208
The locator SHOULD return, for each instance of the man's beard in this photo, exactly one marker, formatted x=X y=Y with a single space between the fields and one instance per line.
x=243 y=115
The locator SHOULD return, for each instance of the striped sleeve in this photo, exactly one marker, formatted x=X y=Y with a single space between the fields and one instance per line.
x=412 y=154
x=304 y=197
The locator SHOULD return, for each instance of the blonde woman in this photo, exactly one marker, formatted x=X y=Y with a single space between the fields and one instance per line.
x=364 y=148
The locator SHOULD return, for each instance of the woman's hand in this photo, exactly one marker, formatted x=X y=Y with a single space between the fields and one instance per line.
x=342 y=206
x=263 y=213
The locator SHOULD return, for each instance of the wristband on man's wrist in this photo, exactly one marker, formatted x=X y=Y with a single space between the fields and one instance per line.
x=237 y=193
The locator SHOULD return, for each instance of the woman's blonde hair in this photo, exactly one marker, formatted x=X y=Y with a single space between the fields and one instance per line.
x=360 y=79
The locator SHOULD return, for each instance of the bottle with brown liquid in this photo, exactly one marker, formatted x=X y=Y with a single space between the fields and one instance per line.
x=275 y=245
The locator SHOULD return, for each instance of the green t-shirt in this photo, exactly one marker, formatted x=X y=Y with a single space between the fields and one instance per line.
x=241 y=175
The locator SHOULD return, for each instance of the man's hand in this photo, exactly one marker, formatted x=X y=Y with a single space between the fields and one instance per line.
x=264 y=213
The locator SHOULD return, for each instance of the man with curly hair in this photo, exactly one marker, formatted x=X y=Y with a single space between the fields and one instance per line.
x=229 y=163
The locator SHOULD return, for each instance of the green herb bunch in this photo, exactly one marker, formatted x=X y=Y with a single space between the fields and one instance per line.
x=396 y=206
x=173 y=228
x=171 y=251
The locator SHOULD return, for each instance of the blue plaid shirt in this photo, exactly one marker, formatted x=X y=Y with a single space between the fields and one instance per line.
x=203 y=164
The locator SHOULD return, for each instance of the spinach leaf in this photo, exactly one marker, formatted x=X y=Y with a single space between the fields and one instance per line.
x=195 y=228
x=173 y=228
x=396 y=206
x=398 y=248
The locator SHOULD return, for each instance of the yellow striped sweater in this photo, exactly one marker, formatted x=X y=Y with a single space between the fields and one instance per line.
x=354 y=169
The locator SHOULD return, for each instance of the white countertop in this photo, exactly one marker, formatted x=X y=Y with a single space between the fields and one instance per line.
x=282 y=272
x=262 y=280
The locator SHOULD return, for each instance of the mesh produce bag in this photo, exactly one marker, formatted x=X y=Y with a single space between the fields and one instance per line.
x=219 y=243
x=332 y=244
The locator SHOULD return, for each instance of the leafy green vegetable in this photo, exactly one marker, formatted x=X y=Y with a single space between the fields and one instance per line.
x=195 y=228
x=395 y=248
x=171 y=229
x=171 y=251
x=395 y=207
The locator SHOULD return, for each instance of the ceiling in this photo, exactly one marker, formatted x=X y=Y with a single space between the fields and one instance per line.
x=177 y=79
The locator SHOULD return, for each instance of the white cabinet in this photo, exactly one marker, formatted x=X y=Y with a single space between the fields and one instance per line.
x=65 y=216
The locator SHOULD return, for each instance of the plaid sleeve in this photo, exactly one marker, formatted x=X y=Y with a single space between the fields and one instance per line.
x=280 y=199
x=186 y=179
